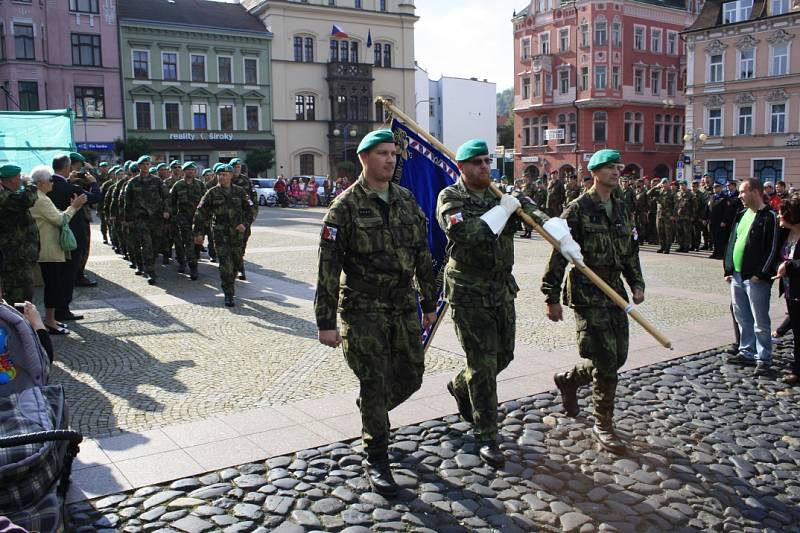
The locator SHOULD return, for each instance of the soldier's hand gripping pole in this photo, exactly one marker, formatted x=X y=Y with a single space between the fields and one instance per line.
x=586 y=271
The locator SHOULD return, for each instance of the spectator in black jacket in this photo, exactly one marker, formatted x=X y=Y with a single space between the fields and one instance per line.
x=789 y=274
x=750 y=262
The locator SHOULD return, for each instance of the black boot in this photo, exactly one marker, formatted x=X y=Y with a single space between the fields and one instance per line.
x=181 y=268
x=568 y=387
x=603 y=430
x=151 y=278
x=242 y=275
x=464 y=407
x=660 y=251
x=229 y=300
x=491 y=454
x=379 y=475
x=193 y=271
x=166 y=259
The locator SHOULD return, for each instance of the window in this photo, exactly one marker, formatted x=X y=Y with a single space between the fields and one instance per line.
x=169 y=66
x=638 y=37
x=198 y=67
x=566 y=122
x=777 y=118
x=304 y=107
x=200 y=116
x=563 y=81
x=714 y=126
x=538 y=128
x=638 y=81
x=747 y=63
x=307 y=161
x=226 y=117
x=382 y=5
x=667 y=129
x=615 y=78
x=352 y=108
x=308 y=50
x=768 y=169
x=584 y=78
x=141 y=64
x=658 y=127
x=224 y=70
x=634 y=127
x=672 y=83
x=251 y=117
x=672 y=43
x=745 y=120
x=544 y=43
x=600 y=32
x=599 y=120
x=23 y=41
x=334 y=52
x=655 y=40
x=357 y=6
x=548 y=83
x=584 y=35
x=600 y=77
x=779 y=59
x=537 y=85
x=298 y=49
x=380 y=112
x=354 y=52
x=143 y=116
x=526 y=88
x=525 y=48
x=720 y=169
x=737 y=11
x=715 y=68
x=563 y=39
x=779 y=7
x=616 y=33
x=84 y=6
x=172 y=115
x=28 y=95
x=2 y=41
x=86 y=50
x=90 y=100
x=383 y=55
x=655 y=82
x=363 y=108
x=250 y=71
x=677 y=130
x=526 y=132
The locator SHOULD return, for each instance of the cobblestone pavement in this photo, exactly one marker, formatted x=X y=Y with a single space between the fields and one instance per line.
x=148 y=356
x=710 y=448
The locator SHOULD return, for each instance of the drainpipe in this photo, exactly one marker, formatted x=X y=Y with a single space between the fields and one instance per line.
x=574 y=101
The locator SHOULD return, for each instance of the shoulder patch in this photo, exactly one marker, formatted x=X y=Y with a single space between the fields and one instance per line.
x=329 y=233
x=455 y=218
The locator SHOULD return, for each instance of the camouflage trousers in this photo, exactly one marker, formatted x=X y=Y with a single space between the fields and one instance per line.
x=642 y=226
x=683 y=232
x=104 y=226
x=384 y=351
x=665 y=231
x=603 y=342
x=185 y=248
x=146 y=237
x=487 y=335
x=16 y=284
x=701 y=232
x=229 y=256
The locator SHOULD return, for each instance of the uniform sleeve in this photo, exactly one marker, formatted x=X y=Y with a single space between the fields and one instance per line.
x=530 y=209
x=20 y=200
x=202 y=215
x=557 y=264
x=332 y=246
x=470 y=231
x=632 y=269
x=173 y=198
x=127 y=198
x=248 y=208
x=165 y=199
x=423 y=269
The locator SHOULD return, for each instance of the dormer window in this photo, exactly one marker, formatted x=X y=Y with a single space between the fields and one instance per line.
x=737 y=11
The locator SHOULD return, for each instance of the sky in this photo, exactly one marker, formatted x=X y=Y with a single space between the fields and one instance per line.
x=467 y=39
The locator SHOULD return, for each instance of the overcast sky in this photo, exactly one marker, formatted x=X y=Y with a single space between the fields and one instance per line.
x=467 y=39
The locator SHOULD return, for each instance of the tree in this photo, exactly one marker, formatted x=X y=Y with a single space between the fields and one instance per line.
x=260 y=160
x=505 y=102
x=92 y=157
x=133 y=148
x=345 y=168
x=505 y=133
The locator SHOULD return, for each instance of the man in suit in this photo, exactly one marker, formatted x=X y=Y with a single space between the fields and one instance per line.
x=64 y=188
x=76 y=164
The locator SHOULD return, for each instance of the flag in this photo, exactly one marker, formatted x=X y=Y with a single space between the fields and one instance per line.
x=336 y=31
x=369 y=38
x=425 y=171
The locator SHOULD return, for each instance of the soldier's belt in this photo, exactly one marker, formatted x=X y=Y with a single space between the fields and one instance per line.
x=377 y=291
x=492 y=275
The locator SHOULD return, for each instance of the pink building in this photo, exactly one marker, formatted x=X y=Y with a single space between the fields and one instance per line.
x=744 y=90
x=596 y=74
x=64 y=54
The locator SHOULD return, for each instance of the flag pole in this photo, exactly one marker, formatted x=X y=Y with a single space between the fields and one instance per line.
x=586 y=271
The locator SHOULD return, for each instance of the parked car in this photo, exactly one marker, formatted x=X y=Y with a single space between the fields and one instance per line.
x=265 y=188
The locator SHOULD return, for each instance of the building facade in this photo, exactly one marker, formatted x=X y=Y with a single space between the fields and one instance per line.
x=55 y=55
x=196 y=79
x=743 y=90
x=595 y=74
x=331 y=58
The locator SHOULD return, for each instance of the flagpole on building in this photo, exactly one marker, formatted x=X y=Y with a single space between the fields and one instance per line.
x=589 y=273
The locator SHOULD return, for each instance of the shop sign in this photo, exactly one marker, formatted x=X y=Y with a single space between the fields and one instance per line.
x=530 y=159
x=95 y=147
x=201 y=136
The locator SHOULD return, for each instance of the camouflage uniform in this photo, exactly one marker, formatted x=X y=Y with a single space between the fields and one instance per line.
x=602 y=327
x=571 y=192
x=628 y=196
x=540 y=196
x=701 y=199
x=184 y=198
x=684 y=211
x=19 y=243
x=145 y=205
x=101 y=209
x=116 y=207
x=556 y=194
x=480 y=288
x=220 y=211
x=244 y=182
x=665 y=204
x=641 y=207
x=377 y=249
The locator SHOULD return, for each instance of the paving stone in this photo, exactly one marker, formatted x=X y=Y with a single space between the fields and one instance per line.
x=192 y=524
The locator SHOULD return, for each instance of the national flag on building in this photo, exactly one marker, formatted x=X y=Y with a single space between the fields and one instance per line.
x=369 y=38
x=336 y=31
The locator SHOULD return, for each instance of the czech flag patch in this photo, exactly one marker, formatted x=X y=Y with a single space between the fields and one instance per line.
x=456 y=218
x=329 y=233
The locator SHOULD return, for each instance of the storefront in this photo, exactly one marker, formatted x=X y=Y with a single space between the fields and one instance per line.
x=206 y=148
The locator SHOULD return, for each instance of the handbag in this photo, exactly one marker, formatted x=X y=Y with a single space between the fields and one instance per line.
x=67 y=238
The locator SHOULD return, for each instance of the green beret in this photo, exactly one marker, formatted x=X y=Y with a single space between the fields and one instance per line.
x=160 y=166
x=190 y=164
x=174 y=163
x=603 y=157
x=143 y=159
x=113 y=169
x=207 y=171
x=470 y=149
x=224 y=168
x=134 y=167
x=664 y=181
x=682 y=182
x=75 y=156
x=374 y=138
x=103 y=164
x=235 y=161
x=126 y=166
x=152 y=170
x=10 y=170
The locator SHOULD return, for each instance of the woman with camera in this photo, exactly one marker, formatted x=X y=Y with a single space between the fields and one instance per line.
x=789 y=274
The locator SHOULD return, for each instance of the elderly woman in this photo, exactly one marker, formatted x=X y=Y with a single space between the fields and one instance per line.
x=51 y=256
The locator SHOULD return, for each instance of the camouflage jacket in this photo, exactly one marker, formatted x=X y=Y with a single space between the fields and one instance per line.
x=19 y=238
x=701 y=204
x=540 y=197
x=101 y=205
x=571 y=193
x=479 y=269
x=608 y=249
x=221 y=209
x=664 y=200
x=369 y=252
x=184 y=197
x=244 y=182
x=556 y=194
x=642 y=202
x=629 y=197
x=145 y=200
x=685 y=207
x=115 y=207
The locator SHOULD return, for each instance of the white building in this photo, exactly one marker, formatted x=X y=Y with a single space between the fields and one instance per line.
x=458 y=109
x=324 y=83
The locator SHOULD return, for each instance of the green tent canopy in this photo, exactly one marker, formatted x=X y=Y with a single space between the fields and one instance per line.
x=30 y=138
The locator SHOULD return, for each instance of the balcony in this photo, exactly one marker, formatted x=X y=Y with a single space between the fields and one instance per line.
x=349 y=71
x=542 y=62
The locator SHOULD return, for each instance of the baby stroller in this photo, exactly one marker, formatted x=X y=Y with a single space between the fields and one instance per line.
x=36 y=446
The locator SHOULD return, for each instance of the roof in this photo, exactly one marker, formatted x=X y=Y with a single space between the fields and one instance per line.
x=196 y=13
x=675 y=4
x=711 y=14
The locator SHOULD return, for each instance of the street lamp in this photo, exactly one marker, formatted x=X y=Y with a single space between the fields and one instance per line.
x=347 y=131
x=695 y=136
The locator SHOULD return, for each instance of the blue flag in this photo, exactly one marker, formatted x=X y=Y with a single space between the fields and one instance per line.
x=425 y=171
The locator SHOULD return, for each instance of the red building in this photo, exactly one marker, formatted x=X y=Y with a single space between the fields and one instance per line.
x=596 y=74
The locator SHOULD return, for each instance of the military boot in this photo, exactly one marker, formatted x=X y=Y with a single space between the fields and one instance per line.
x=229 y=300
x=464 y=406
x=379 y=475
x=242 y=275
x=193 y=271
x=491 y=454
x=181 y=268
x=603 y=430
x=567 y=384
x=151 y=278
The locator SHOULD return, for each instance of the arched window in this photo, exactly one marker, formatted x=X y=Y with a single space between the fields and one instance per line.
x=307 y=164
x=303 y=49
x=305 y=107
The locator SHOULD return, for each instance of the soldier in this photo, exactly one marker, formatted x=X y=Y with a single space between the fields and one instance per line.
x=665 y=207
x=572 y=190
x=373 y=245
x=587 y=183
x=225 y=211
x=628 y=194
x=540 y=197
x=244 y=182
x=480 y=287
x=700 y=232
x=652 y=209
x=640 y=206
x=185 y=195
x=19 y=237
x=175 y=173
x=602 y=226
x=101 y=205
x=718 y=205
x=556 y=194
x=529 y=190
x=167 y=234
x=685 y=210
x=145 y=211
